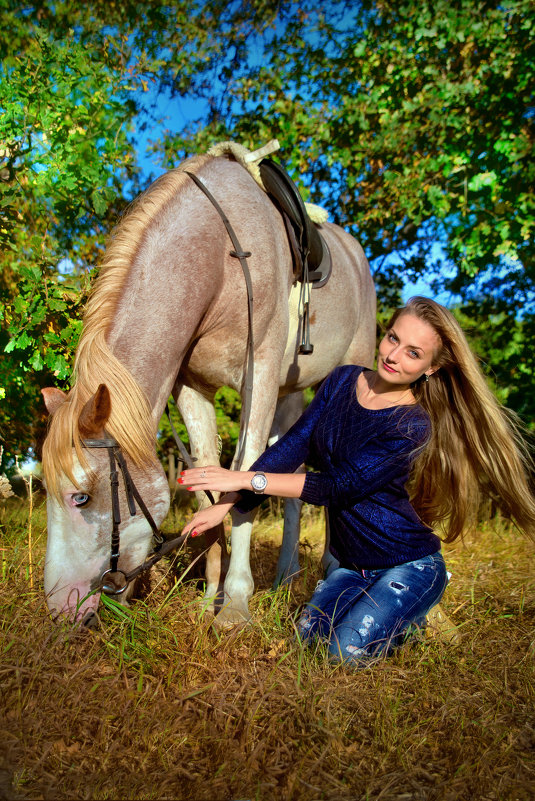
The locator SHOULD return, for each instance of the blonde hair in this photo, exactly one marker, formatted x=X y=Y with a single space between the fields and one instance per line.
x=476 y=450
x=130 y=421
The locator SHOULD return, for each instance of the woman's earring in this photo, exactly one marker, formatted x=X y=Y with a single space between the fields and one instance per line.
x=426 y=378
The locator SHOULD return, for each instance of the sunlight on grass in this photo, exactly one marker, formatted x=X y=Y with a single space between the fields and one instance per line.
x=157 y=704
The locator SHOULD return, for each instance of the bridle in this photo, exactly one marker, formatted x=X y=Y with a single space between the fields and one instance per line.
x=109 y=582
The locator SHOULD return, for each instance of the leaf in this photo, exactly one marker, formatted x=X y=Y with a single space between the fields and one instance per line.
x=481 y=180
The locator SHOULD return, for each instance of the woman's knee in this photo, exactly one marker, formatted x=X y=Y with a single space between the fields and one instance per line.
x=350 y=642
x=371 y=640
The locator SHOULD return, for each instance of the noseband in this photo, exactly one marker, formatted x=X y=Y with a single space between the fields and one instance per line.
x=108 y=580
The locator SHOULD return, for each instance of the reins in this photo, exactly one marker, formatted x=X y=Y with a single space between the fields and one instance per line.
x=116 y=459
x=161 y=546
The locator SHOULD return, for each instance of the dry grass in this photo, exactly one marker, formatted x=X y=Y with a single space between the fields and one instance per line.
x=155 y=705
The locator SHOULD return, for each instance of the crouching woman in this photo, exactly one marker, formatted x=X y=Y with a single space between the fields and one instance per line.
x=396 y=452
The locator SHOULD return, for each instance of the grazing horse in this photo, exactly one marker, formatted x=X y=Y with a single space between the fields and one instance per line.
x=168 y=315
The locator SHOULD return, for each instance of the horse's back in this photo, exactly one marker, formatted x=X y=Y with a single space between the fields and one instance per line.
x=342 y=312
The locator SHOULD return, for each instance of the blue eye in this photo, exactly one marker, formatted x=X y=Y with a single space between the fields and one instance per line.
x=80 y=498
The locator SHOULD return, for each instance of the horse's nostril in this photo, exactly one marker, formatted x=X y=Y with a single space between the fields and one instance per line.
x=90 y=620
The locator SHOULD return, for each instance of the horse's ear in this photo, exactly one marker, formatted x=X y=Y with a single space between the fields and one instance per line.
x=53 y=398
x=95 y=413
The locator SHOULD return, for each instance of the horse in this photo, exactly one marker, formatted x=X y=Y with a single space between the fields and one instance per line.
x=168 y=315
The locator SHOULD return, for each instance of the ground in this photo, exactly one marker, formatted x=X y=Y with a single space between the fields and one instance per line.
x=157 y=705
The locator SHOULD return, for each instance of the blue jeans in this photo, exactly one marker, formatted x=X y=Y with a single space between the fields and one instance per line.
x=367 y=612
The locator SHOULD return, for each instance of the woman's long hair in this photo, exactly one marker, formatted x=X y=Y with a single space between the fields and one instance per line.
x=475 y=450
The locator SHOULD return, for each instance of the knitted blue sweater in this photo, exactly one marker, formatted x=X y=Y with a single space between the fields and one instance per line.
x=363 y=458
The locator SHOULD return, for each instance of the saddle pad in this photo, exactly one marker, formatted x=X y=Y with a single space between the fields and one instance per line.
x=250 y=160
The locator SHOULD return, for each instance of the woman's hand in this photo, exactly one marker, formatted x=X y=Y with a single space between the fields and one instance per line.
x=214 y=478
x=207 y=518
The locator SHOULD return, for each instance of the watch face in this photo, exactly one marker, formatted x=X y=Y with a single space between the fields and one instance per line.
x=259 y=482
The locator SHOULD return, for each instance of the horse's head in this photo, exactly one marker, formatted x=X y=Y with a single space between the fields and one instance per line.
x=79 y=507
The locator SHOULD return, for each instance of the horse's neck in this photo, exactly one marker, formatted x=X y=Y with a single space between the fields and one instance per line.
x=181 y=284
x=167 y=292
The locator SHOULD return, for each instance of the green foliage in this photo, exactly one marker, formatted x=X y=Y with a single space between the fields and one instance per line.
x=73 y=83
x=506 y=348
x=413 y=123
x=60 y=171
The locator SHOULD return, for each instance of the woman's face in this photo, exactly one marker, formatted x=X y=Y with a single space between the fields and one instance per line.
x=407 y=351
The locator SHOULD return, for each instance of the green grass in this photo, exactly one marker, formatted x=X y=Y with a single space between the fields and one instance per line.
x=157 y=705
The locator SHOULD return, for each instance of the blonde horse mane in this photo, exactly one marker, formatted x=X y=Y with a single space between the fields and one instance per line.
x=130 y=421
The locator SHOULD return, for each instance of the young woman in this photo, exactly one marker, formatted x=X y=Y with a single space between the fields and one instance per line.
x=415 y=444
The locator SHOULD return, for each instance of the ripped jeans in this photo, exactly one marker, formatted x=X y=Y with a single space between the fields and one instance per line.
x=365 y=613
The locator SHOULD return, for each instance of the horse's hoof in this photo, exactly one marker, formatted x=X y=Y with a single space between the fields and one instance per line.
x=285 y=579
x=205 y=607
x=231 y=618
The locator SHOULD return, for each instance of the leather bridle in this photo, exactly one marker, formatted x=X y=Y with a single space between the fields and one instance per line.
x=109 y=580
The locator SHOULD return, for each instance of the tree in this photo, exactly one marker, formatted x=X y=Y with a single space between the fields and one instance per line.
x=414 y=123
x=73 y=82
x=410 y=122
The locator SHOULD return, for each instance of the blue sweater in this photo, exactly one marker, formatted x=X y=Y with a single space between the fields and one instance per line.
x=363 y=458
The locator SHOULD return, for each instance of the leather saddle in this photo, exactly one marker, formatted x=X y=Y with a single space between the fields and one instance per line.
x=311 y=255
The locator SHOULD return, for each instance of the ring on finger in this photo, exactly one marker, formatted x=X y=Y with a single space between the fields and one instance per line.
x=203 y=474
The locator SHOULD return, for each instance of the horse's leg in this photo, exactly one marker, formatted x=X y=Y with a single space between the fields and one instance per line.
x=199 y=418
x=239 y=583
x=288 y=561
x=328 y=561
x=289 y=409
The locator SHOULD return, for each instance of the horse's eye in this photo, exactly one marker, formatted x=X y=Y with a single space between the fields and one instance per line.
x=80 y=498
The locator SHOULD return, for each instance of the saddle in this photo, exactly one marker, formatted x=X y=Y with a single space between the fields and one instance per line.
x=310 y=253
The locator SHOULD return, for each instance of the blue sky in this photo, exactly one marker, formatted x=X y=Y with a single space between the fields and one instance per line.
x=176 y=113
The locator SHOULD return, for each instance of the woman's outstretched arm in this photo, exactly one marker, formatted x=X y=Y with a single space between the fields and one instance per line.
x=230 y=482
x=213 y=477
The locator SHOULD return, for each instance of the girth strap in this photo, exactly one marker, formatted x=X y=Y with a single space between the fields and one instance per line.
x=238 y=253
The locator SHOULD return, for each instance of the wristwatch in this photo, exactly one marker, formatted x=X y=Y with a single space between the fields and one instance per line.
x=259 y=483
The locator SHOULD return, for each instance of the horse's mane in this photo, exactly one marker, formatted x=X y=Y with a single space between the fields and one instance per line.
x=130 y=421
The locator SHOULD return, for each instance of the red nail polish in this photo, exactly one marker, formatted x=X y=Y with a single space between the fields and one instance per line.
x=180 y=481
x=194 y=533
x=189 y=488
x=181 y=472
